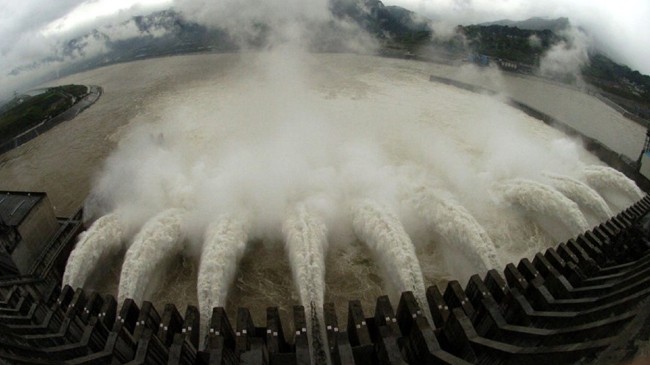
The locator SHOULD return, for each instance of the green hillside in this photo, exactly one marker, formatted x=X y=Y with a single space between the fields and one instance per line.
x=25 y=112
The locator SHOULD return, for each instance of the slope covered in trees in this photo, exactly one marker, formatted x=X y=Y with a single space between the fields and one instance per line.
x=25 y=112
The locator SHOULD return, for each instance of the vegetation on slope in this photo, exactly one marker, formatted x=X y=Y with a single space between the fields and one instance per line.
x=618 y=79
x=626 y=87
x=511 y=43
x=25 y=112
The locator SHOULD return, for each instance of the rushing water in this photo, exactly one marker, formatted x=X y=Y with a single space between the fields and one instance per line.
x=372 y=126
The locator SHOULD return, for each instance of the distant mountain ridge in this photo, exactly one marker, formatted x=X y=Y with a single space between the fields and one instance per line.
x=535 y=23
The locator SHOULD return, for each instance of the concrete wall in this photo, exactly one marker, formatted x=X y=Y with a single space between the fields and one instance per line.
x=36 y=230
x=645 y=165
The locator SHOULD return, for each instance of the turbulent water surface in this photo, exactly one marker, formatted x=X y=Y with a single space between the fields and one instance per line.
x=300 y=178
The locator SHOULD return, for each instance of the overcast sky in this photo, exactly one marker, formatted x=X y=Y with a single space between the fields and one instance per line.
x=32 y=29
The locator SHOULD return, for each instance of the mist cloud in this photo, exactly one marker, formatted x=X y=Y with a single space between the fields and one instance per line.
x=283 y=139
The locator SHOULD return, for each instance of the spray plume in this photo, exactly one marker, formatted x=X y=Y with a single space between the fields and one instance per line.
x=306 y=244
x=101 y=240
x=543 y=202
x=605 y=177
x=384 y=234
x=456 y=226
x=224 y=245
x=582 y=195
x=267 y=137
x=159 y=239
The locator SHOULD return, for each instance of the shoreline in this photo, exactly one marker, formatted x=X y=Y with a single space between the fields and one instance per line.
x=75 y=109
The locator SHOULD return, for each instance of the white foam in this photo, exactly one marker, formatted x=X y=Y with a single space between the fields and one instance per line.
x=381 y=230
x=581 y=194
x=605 y=177
x=159 y=239
x=543 y=202
x=101 y=240
x=455 y=225
x=224 y=245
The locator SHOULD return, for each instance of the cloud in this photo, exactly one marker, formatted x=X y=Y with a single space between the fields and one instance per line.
x=535 y=41
x=568 y=56
x=20 y=26
x=30 y=29
x=97 y=12
x=236 y=14
x=38 y=40
x=34 y=49
x=248 y=21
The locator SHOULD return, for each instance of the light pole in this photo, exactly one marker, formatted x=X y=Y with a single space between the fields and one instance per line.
x=646 y=148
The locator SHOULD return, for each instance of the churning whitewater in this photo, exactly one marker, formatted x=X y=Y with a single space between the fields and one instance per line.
x=543 y=202
x=382 y=231
x=306 y=245
x=604 y=178
x=103 y=239
x=224 y=245
x=456 y=226
x=583 y=195
x=159 y=239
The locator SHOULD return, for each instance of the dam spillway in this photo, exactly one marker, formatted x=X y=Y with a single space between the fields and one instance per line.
x=582 y=300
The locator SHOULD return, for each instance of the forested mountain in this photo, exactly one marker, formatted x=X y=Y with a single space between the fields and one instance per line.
x=536 y=23
x=529 y=47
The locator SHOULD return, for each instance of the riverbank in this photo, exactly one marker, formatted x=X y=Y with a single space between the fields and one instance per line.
x=94 y=92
